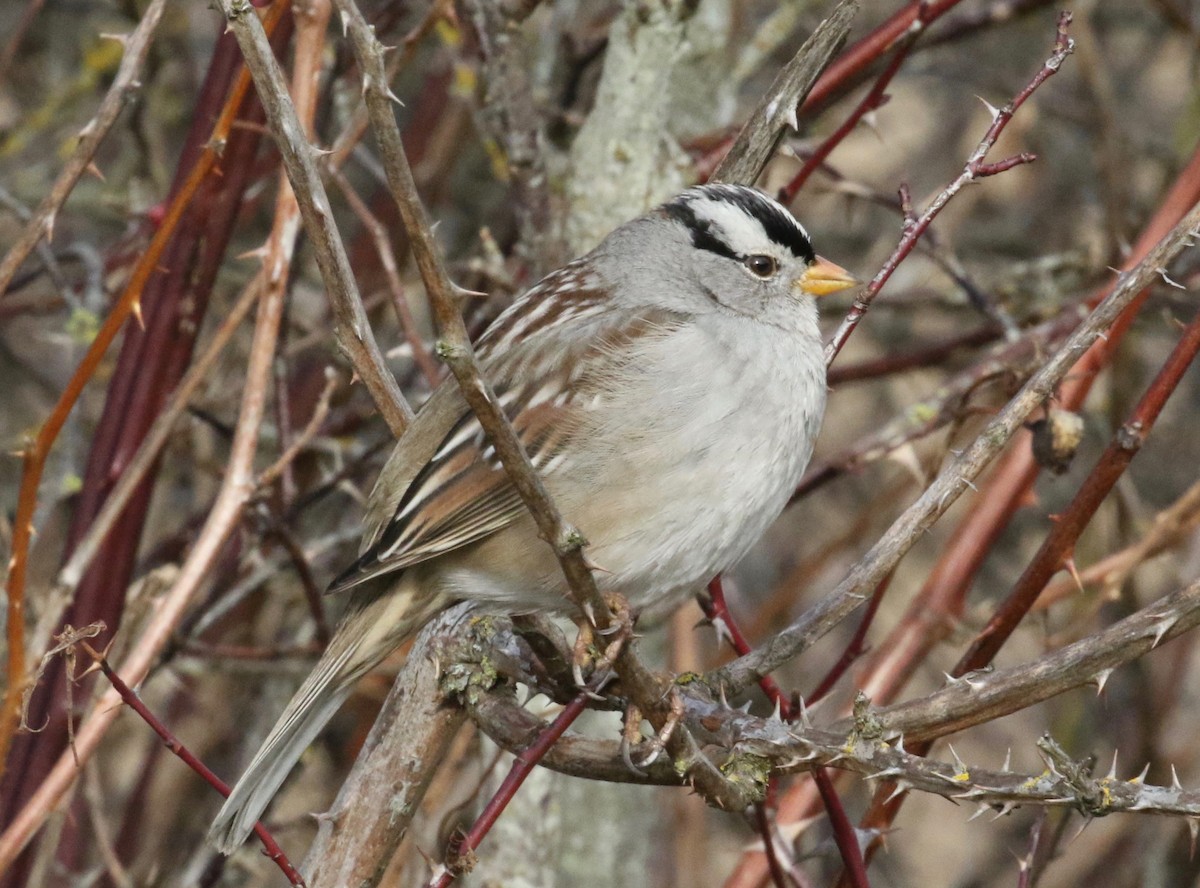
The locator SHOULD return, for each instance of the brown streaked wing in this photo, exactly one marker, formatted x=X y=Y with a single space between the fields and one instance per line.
x=463 y=494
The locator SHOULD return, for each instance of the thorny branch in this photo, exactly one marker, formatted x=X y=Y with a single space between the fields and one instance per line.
x=852 y=592
x=133 y=701
x=976 y=168
x=872 y=741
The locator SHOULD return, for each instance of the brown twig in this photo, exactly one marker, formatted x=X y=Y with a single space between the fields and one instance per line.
x=351 y=326
x=1169 y=529
x=387 y=258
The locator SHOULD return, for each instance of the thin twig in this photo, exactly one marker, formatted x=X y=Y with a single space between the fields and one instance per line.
x=126 y=82
x=351 y=326
x=387 y=259
x=975 y=169
x=133 y=701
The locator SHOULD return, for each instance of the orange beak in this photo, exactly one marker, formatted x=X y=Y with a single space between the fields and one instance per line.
x=823 y=277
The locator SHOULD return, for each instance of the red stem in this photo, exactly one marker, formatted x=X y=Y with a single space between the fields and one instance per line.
x=843 y=830
x=856 y=648
x=872 y=100
x=521 y=768
x=975 y=169
x=1071 y=522
x=133 y=701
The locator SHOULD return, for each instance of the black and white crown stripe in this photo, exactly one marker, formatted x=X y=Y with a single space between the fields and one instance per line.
x=735 y=221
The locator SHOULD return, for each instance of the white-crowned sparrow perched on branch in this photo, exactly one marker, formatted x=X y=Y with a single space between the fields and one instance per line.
x=668 y=386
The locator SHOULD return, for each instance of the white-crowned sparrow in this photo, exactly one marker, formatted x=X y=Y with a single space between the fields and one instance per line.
x=668 y=386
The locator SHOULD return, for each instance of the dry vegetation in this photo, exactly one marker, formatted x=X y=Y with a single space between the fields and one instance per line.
x=944 y=570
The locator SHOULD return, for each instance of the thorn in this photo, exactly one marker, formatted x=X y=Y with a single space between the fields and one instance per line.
x=721 y=627
x=259 y=253
x=959 y=765
x=1112 y=771
x=885 y=774
x=1101 y=679
x=1007 y=766
x=902 y=786
x=95 y=171
x=122 y=39
x=984 y=808
x=1161 y=628
x=137 y=313
x=1069 y=564
x=1175 y=784
x=1162 y=273
x=992 y=109
x=870 y=120
x=1006 y=808
x=1141 y=778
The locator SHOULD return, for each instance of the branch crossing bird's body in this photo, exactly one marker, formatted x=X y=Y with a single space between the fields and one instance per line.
x=668 y=386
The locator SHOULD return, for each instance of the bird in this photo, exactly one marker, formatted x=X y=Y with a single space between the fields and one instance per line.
x=668 y=386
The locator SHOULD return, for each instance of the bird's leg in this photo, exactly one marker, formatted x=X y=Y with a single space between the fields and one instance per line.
x=631 y=736
x=587 y=653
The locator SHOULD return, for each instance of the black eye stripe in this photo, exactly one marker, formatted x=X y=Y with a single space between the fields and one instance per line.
x=703 y=237
x=778 y=224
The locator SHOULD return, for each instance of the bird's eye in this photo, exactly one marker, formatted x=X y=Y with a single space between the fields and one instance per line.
x=761 y=265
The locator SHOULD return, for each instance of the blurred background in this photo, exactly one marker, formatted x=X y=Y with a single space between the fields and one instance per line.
x=534 y=128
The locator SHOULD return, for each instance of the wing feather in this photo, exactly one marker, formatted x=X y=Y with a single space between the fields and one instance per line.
x=460 y=493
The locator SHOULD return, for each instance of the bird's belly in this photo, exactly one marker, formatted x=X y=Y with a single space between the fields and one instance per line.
x=714 y=463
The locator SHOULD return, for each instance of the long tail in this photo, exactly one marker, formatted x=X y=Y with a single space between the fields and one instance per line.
x=367 y=635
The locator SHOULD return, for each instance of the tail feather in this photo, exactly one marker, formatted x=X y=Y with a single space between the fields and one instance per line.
x=365 y=637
